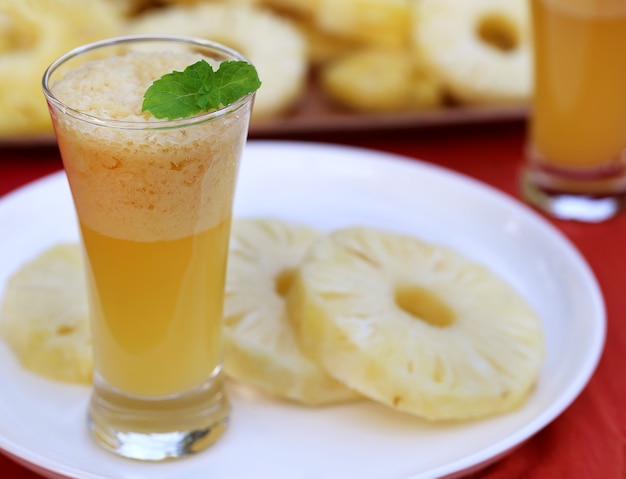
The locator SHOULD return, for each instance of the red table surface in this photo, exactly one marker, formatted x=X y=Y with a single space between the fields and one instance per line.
x=588 y=439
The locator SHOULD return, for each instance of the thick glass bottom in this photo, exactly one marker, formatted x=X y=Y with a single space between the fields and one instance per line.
x=157 y=429
x=585 y=198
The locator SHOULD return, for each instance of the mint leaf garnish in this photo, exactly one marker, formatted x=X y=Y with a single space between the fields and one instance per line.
x=200 y=89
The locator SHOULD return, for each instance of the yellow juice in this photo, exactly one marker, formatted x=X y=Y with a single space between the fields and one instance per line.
x=154 y=207
x=579 y=117
x=158 y=324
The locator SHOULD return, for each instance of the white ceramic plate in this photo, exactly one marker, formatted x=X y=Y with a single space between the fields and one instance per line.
x=43 y=423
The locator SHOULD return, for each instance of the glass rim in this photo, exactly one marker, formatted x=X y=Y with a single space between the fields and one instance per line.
x=144 y=124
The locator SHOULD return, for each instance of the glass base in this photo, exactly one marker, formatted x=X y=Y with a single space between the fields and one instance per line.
x=158 y=429
x=573 y=199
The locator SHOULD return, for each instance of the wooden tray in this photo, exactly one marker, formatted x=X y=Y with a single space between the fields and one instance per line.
x=315 y=113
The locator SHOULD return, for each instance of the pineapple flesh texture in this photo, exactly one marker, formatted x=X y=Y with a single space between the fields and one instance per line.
x=260 y=347
x=44 y=316
x=415 y=326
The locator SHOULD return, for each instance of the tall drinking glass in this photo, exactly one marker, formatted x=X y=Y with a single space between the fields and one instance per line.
x=154 y=203
x=576 y=162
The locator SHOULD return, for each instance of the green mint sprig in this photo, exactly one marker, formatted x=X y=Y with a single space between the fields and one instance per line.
x=200 y=89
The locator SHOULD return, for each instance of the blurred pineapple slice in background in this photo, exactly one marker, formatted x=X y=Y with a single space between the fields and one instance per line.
x=270 y=42
x=380 y=23
x=33 y=33
x=377 y=80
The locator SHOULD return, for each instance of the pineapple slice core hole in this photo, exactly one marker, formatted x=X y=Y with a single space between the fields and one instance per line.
x=16 y=35
x=424 y=305
x=283 y=282
x=498 y=32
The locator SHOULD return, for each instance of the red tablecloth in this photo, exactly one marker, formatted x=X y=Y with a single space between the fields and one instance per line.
x=588 y=439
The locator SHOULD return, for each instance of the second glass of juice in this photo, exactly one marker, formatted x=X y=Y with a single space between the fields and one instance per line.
x=154 y=203
x=576 y=162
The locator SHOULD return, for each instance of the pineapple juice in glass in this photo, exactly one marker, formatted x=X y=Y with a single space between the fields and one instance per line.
x=576 y=164
x=154 y=203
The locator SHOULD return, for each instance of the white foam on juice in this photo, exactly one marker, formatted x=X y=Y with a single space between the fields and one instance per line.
x=144 y=184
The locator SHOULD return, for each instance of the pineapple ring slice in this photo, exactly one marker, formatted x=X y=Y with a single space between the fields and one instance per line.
x=415 y=326
x=377 y=23
x=33 y=33
x=380 y=80
x=272 y=43
x=481 y=49
x=260 y=347
x=44 y=316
